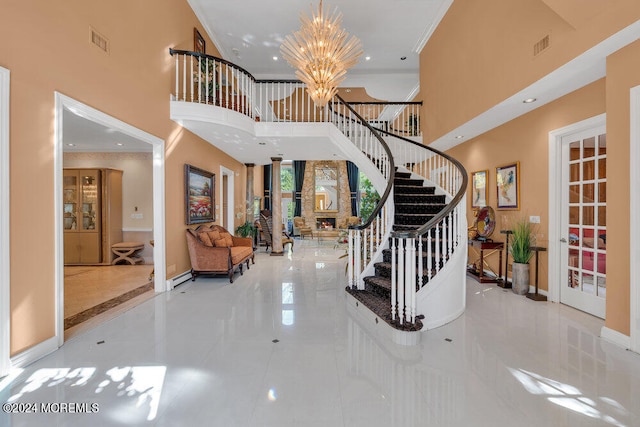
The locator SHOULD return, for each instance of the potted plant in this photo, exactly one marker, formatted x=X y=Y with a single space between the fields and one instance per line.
x=520 y=250
x=246 y=230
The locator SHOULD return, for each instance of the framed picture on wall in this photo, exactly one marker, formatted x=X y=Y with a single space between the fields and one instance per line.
x=198 y=42
x=479 y=189
x=199 y=195
x=508 y=186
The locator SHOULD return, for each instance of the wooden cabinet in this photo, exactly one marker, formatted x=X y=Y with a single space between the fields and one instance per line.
x=92 y=202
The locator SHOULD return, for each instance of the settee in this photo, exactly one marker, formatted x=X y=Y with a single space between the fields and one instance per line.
x=213 y=250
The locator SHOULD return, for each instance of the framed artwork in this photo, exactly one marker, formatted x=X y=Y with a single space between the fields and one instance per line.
x=198 y=42
x=508 y=186
x=199 y=195
x=479 y=189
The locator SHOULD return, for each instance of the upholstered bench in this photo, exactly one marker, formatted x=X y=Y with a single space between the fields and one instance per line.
x=127 y=252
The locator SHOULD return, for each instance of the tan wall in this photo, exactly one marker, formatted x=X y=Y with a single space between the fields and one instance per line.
x=622 y=75
x=526 y=139
x=46 y=46
x=482 y=52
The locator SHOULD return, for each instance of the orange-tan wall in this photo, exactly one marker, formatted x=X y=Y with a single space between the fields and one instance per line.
x=46 y=46
x=468 y=66
x=526 y=140
x=482 y=51
x=622 y=75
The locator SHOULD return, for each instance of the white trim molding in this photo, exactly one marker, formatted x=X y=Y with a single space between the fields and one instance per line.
x=615 y=337
x=555 y=198
x=5 y=249
x=230 y=213
x=634 y=228
x=34 y=353
x=63 y=102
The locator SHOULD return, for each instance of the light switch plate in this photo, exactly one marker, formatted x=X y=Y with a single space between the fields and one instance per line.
x=534 y=219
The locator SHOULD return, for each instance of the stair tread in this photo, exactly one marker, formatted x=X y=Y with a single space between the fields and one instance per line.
x=382 y=308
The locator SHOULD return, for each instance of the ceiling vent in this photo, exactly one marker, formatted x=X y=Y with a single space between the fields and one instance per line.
x=100 y=41
x=542 y=45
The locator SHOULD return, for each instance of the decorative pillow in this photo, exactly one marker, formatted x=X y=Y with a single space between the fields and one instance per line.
x=214 y=235
x=205 y=239
x=221 y=243
x=227 y=237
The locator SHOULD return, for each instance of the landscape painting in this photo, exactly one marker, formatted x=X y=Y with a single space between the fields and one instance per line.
x=199 y=195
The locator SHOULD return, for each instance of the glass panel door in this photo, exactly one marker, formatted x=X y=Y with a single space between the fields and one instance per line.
x=89 y=200
x=70 y=200
x=585 y=221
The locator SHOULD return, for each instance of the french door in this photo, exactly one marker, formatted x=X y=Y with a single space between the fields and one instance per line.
x=583 y=278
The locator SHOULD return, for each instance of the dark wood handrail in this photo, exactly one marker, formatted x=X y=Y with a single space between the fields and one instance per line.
x=214 y=58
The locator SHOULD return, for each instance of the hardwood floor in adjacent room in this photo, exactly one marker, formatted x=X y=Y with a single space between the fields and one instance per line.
x=93 y=294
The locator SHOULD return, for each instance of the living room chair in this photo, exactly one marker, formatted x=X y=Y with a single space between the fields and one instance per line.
x=266 y=225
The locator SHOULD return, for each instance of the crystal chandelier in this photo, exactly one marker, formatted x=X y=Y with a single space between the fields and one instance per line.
x=321 y=51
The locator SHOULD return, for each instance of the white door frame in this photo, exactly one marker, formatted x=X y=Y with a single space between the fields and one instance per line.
x=634 y=229
x=555 y=199
x=5 y=255
x=89 y=113
x=230 y=214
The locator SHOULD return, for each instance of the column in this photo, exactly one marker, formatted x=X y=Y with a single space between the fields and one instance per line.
x=276 y=207
x=249 y=197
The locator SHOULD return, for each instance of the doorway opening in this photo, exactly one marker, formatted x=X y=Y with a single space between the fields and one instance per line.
x=634 y=227
x=227 y=195
x=5 y=277
x=94 y=155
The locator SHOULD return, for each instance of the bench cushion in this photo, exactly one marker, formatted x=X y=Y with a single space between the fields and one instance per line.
x=240 y=253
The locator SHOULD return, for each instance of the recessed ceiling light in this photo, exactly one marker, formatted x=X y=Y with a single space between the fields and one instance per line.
x=403 y=58
x=459 y=136
x=119 y=144
x=347 y=90
x=530 y=100
x=275 y=58
x=367 y=58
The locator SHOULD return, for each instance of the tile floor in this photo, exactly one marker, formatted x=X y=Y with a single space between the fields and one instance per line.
x=279 y=348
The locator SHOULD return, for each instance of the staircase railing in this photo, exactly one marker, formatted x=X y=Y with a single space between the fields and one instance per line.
x=439 y=238
x=397 y=118
x=209 y=80
x=366 y=240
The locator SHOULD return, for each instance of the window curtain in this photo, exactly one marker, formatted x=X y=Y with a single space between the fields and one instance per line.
x=298 y=180
x=353 y=176
x=266 y=170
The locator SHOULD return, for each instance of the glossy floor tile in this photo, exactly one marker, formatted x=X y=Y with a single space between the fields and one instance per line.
x=278 y=347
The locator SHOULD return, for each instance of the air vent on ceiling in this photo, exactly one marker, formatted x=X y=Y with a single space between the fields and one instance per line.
x=100 y=41
x=542 y=45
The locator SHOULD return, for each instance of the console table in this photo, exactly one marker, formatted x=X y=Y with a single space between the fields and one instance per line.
x=478 y=273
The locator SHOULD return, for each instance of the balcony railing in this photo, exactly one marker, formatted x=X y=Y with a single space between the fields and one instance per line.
x=206 y=79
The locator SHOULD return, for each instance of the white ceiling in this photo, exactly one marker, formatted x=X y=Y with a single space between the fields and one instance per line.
x=249 y=33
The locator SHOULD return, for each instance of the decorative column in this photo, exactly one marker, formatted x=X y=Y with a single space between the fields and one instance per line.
x=249 y=201
x=276 y=208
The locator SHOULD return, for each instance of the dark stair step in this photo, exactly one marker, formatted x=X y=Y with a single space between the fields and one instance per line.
x=413 y=189
x=383 y=271
x=378 y=285
x=412 y=219
x=419 y=198
x=402 y=174
x=382 y=308
x=409 y=181
x=386 y=258
x=418 y=208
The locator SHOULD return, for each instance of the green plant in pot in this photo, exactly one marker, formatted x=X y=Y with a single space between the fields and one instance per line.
x=520 y=250
x=246 y=230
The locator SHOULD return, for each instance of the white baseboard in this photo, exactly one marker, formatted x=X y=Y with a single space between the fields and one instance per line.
x=180 y=278
x=615 y=337
x=532 y=290
x=34 y=353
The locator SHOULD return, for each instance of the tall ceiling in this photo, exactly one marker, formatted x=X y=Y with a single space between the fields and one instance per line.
x=249 y=33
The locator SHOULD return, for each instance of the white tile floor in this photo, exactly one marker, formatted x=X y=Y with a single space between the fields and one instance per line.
x=204 y=355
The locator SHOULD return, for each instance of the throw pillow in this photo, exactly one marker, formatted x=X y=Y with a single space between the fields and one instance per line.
x=214 y=235
x=205 y=239
x=221 y=243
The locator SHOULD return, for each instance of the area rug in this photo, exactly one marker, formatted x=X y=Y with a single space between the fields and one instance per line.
x=107 y=305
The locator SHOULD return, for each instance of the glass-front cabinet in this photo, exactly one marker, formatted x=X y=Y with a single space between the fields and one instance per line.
x=81 y=201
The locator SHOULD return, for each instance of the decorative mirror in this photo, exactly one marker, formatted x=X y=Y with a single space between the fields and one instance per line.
x=326 y=187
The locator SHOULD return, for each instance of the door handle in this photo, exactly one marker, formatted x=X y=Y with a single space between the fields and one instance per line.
x=563 y=240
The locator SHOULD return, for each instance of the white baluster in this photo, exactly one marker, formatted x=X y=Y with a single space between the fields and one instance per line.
x=394 y=296
x=420 y=264
x=401 y=280
x=429 y=254
x=350 y=261
x=411 y=288
x=184 y=77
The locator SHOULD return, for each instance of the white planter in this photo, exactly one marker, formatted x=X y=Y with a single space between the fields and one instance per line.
x=520 y=278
